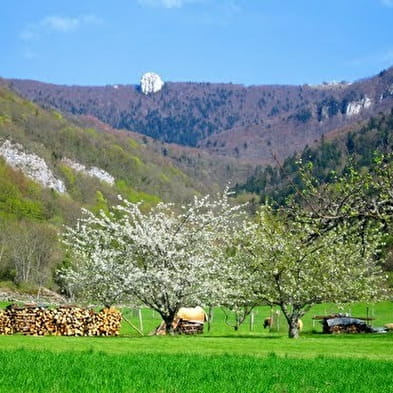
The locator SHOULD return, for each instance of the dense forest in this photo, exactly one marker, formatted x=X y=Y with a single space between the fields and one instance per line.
x=244 y=122
x=357 y=147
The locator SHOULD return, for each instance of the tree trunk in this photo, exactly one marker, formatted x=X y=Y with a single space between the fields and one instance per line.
x=168 y=319
x=293 y=331
x=169 y=329
x=209 y=318
x=292 y=315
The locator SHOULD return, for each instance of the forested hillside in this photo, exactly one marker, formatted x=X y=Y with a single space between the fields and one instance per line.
x=92 y=162
x=93 y=165
x=246 y=122
x=357 y=146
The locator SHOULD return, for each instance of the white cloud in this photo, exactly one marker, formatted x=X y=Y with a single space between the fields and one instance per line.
x=387 y=3
x=59 y=23
x=167 y=3
x=55 y=23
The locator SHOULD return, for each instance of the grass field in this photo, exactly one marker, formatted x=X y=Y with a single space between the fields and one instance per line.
x=63 y=372
x=219 y=361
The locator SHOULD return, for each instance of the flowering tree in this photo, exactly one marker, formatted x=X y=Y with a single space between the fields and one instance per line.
x=294 y=273
x=240 y=294
x=355 y=199
x=166 y=258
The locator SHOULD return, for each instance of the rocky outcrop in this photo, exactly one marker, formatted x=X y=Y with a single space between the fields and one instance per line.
x=94 y=171
x=151 y=83
x=355 y=107
x=31 y=165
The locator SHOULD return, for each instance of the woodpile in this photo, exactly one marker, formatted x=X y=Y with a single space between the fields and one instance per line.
x=354 y=329
x=27 y=320
x=5 y=323
x=61 y=321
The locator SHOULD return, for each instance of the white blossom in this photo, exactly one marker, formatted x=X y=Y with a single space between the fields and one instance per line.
x=166 y=258
x=294 y=272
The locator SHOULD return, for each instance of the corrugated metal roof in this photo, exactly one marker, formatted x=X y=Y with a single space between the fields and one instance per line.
x=344 y=321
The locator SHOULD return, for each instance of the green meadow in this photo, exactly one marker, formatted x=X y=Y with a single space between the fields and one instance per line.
x=222 y=360
x=89 y=371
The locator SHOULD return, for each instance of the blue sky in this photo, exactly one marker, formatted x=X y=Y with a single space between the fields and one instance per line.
x=99 y=42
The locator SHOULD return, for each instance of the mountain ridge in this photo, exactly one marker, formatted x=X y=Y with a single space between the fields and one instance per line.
x=246 y=122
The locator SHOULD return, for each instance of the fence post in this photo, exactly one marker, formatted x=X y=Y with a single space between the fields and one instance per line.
x=278 y=320
x=140 y=319
x=252 y=321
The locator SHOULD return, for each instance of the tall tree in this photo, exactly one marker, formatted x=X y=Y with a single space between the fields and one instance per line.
x=294 y=273
x=166 y=258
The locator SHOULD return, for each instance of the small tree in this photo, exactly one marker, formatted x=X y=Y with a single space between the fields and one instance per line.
x=240 y=295
x=166 y=258
x=294 y=273
x=33 y=251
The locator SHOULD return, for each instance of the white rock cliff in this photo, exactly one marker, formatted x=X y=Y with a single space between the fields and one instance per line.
x=151 y=83
x=31 y=165
x=355 y=107
x=94 y=171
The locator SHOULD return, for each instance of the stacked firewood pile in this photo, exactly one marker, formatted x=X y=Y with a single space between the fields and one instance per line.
x=354 y=329
x=5 y=323
x=62 y=321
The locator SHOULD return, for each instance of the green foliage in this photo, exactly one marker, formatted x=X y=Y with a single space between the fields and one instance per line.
x=142 y=174
x=357 y=148
x=68 y=175
x=133 y=143
x=57 y=115
x=5 y=119
x=18 y=196
x=101 y=203
x=135 y=196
